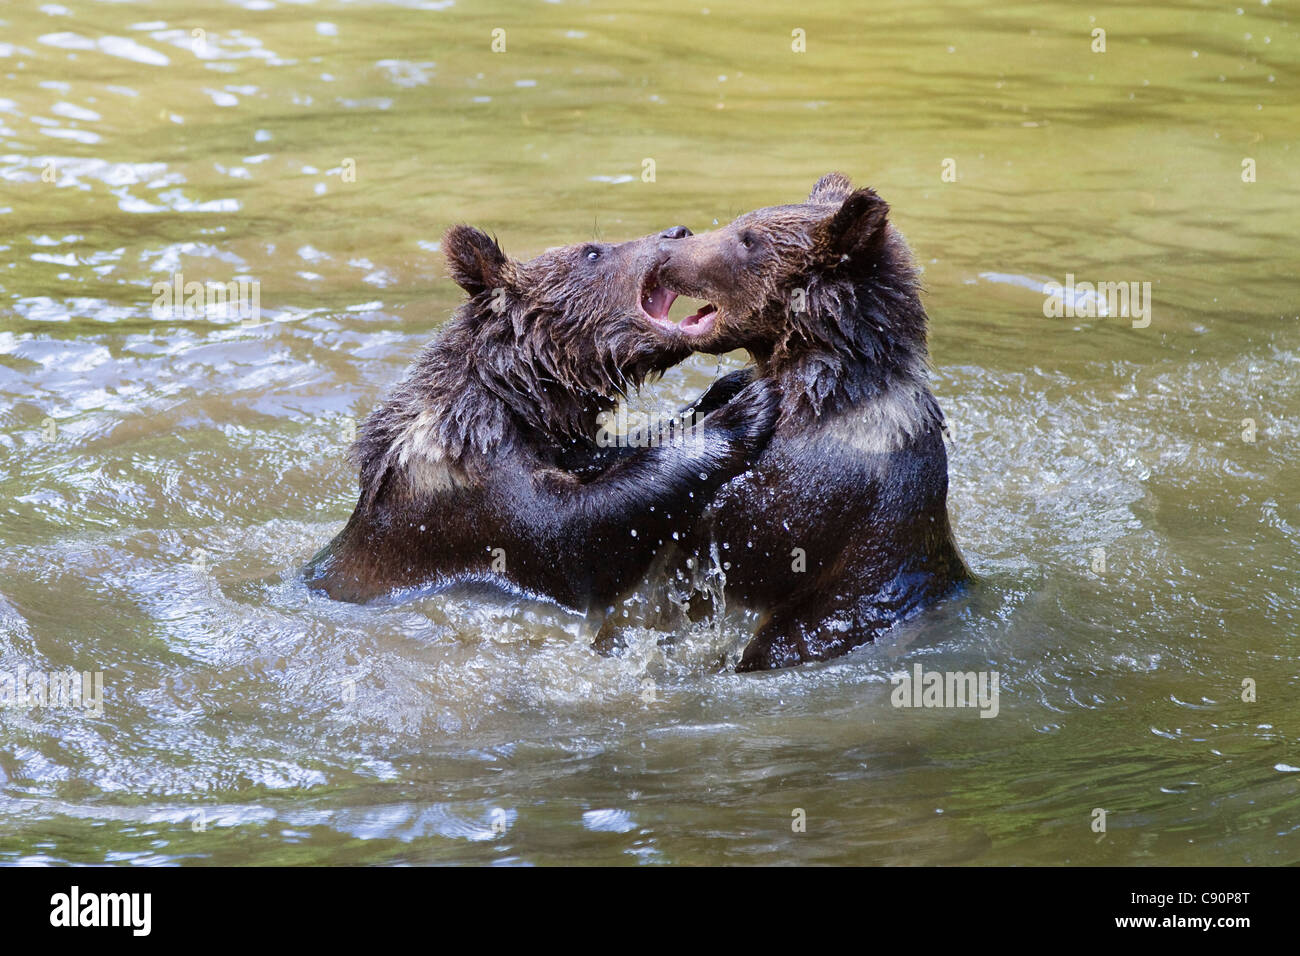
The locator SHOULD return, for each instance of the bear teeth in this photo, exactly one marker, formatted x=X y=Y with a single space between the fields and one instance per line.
x=657 y=301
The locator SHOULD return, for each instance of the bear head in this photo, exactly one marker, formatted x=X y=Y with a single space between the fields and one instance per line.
x=580 y=324
x=827 y=275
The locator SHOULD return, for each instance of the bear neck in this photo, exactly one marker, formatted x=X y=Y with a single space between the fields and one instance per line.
x=504 y=380
x=859 y=340
x=466 y=401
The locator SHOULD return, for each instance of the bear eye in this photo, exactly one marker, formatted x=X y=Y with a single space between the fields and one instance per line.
x=592 y=253
x=747 y=240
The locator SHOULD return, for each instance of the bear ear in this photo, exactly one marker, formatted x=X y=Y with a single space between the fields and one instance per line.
x=858 y=227
x=831 y=188
x=475 y=260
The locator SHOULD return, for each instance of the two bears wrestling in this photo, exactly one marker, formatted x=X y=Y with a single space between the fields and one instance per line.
x=484 y=466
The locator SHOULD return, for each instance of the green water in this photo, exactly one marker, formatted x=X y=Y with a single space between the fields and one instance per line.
x=323 y=148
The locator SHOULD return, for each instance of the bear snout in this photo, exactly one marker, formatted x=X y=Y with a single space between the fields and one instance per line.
x=675 y=232
x=683 y=267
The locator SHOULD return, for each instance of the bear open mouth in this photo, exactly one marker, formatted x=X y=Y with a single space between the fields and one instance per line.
x=699 y=322
x=657 y=300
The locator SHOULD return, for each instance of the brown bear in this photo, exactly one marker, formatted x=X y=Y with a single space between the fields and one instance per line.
x=840 y=529
x=482 y=466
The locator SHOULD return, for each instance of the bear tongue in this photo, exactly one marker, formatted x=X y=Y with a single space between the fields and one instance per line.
x=701 y=323
x=657 y=302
